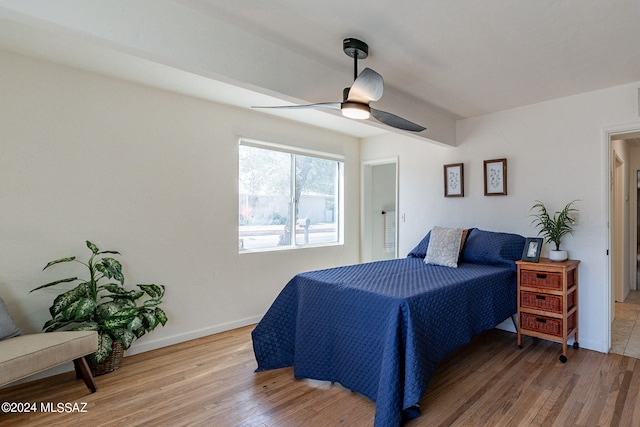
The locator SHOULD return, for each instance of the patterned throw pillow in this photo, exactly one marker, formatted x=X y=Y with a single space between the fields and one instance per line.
x=444 y=246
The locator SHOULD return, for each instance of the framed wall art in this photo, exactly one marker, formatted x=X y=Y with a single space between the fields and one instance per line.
x=454 y=180
x=495 y=177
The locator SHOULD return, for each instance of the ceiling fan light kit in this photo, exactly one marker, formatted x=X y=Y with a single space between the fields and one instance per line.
x=367 y=87
x=355 y=110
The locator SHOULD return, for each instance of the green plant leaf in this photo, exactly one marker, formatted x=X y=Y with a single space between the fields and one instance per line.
x=114 y=288
x=93 y=247
x=104 y=349
x=51 y=322
x=161 y=315
x=62 y=302
x=87 y=326
x=108 y=309
x=127 y=311
x=126 y=299
x=109 y=252
x=111 y=268
x=58 y=261
x=154 y=291
x=139 y=332
x=151 y=303
x=55 y=324
x=150 y=320
x=70 y=279
x=79 y=310
x=124 y=335
x=136 y=323
x=116 y=322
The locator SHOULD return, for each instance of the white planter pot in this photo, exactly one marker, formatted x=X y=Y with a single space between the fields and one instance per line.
x=558 y=255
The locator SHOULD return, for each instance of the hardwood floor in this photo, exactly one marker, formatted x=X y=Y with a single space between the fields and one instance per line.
x=210 y=381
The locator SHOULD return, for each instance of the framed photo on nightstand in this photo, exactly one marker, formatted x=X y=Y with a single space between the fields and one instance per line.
x=532 y=249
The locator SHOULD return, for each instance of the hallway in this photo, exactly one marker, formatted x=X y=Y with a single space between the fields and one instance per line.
x=625 y=329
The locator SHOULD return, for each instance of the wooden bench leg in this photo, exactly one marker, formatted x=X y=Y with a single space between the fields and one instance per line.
x=83 y=371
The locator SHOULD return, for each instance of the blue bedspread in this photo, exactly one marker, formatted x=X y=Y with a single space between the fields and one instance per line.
x=381 y=328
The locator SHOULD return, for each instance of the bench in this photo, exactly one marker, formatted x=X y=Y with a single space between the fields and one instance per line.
x=25 y=355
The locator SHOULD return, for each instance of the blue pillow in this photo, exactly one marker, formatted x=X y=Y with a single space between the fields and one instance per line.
x=493 y=248
x=420 y=251
x=7 y=328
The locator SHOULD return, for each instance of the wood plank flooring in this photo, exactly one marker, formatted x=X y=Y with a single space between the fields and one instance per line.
x=210 y=382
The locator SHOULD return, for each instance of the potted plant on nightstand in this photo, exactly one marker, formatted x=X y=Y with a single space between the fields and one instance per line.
x=119 y=315
x=554 y=228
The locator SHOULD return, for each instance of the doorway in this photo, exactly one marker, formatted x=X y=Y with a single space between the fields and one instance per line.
x=379 y=213
x=624 y=233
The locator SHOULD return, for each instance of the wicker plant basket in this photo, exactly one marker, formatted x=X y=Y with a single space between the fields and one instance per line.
x=111 y=363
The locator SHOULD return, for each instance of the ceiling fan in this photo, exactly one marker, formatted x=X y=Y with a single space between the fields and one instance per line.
x=367 y=87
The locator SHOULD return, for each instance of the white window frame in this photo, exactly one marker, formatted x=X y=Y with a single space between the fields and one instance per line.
x=289 y=149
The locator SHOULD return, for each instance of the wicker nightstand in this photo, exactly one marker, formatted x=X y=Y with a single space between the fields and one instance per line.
x=548 y=301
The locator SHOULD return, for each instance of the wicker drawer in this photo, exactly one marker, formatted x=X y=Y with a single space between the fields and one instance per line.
x=545 y=325
x=545 y=302
x=542 y=280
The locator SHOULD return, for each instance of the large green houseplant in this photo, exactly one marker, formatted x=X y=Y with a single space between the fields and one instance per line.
x=101 y=303
x=554 y=227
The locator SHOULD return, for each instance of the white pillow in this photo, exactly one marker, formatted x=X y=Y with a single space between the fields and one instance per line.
x=444 y=246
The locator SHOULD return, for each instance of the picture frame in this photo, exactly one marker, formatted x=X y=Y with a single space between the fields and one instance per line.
x=532 y=249
x=454 y=180
x=495 y=177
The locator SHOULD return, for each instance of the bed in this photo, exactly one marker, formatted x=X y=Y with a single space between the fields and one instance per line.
x=381 y=328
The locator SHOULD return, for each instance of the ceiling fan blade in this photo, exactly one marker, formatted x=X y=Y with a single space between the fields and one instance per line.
x=396 y=121
x=367 y=87
x=332 y=105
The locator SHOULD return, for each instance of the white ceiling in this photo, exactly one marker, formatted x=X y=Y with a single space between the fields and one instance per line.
x=458 y=58
x=468 y=57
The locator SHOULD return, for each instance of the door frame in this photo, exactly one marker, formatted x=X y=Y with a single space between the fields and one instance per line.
x=607 y=177
x=617 y=248
x=365 y=201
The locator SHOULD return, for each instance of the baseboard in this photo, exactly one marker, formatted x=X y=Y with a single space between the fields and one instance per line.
x=147 y=345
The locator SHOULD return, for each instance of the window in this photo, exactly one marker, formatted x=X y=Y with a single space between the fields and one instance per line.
x=288 y=197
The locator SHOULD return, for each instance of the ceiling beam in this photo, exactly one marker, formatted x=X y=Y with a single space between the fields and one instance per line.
x=167 y=34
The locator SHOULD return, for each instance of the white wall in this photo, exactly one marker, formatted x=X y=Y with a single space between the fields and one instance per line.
x=151 y=174
x=556 y=152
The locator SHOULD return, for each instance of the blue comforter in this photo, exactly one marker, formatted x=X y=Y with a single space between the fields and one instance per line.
x=381 y=328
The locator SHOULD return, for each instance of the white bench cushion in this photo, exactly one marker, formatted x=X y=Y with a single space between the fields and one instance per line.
x=26 y=355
